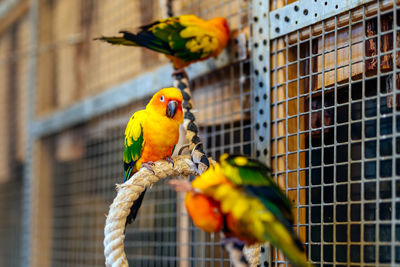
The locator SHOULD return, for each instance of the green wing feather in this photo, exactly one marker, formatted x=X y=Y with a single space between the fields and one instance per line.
x=134 y=143
x=255 y=178
x=165 y=36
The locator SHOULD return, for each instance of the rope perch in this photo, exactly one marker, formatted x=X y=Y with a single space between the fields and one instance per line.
x=129 y=192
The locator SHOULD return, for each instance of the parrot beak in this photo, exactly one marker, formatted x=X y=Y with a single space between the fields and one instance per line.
x=171 y=108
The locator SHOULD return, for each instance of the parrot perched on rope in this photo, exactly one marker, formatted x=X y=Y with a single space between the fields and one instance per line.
x=151 y=135
x=184 y=39
x=239 y=198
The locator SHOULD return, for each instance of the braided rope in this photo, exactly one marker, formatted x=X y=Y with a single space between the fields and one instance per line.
x=170 y=12
x=236 y=255
x=253 y=254
x=198 y=156
x=128 y=192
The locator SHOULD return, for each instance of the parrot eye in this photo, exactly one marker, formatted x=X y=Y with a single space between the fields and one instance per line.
x=162 y=99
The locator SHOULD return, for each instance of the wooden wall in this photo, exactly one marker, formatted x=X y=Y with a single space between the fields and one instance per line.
x=13 y=85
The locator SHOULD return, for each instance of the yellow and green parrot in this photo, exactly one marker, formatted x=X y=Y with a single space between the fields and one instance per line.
x=184 y=39
x=239 y=198
x=151 y=135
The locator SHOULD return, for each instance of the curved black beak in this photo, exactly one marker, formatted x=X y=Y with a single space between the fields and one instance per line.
x=171 y=108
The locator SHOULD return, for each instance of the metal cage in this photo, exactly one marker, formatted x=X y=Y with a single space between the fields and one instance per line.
x=309 y=87
x=335 y=129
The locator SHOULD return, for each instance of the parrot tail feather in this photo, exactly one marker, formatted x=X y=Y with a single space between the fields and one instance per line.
x=116 y=40
x=135 y=209
x=294 y=253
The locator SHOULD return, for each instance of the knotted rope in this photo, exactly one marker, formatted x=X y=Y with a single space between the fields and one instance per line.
x=198 y=156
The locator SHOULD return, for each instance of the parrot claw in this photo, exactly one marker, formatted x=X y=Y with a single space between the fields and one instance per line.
x=170 y=160
x=182 y=148
x=148 y=165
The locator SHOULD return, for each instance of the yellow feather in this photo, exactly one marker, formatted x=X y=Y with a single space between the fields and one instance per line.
x=189 y=32
x=266 y=216
x=257 y=229
x=240 y=160
x=282 y=232
x=213 y=176
x=193 y=46
x=162 y=25
x=227 y=205
x=240 y=209
x=136 y=131
x=190 y=19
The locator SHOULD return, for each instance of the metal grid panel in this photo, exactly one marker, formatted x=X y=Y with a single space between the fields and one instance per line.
x=85 y=166
x=335 y=135
x=223 y=100
x=303 y=13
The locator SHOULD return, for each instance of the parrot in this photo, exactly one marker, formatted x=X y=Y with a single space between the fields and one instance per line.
x=184 y=39
x=238 y=197
x=151 y=134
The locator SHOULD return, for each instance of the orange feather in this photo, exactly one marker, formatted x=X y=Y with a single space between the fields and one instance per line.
x=204 y=212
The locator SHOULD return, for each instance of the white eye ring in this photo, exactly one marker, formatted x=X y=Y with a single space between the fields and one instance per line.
x=162 y=99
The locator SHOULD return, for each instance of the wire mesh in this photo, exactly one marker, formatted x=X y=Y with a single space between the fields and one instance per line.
x=335 y=135
x=85 y=166
x=80 y=165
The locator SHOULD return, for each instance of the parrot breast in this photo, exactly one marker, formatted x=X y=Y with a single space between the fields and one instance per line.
x=160 y=134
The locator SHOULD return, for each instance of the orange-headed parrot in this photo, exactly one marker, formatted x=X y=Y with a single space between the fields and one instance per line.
x=151 y=135
x=239 y=198
x=184 y=39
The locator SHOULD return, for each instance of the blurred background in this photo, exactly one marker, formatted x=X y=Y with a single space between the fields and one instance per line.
x=319 y=102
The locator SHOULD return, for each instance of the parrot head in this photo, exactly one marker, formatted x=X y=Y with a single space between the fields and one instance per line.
x=204 y=211
x=167 y=102
x=221 y=24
